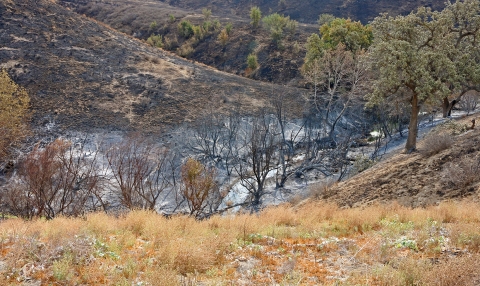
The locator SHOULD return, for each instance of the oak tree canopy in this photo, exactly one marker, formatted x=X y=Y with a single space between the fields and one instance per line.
x=428 y=54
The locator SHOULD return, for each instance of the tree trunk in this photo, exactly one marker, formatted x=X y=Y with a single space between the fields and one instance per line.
x=447 y=106
x=413 y=126
x=257 y=199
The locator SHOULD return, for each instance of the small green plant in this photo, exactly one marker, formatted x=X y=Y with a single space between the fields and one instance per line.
x=103 y=250
x=62 y=269
x=252 y=61
x=199 y=32
x=296 y=47
x=207 y=26
x=255 y=16
x=153 y=25
x=470 y=240
x=404 y=242
x=171 y=18
x=155 y=41
x=207 y=13
x=216 y=25
x=395 y=227
x=228 y=28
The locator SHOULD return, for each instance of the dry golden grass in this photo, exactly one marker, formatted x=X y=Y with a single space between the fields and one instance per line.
x=316 y=243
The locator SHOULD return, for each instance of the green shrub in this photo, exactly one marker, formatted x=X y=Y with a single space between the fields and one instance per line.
x=153 y=25
x=216 y=25
x=171 y=18
x=276 y=24
x=207 y=26
x=252 y=61
x=199 y=32
x=185 y=29
x=296 y=47
x=155 y=41
x=453 y=127
x=255 y=16
x=228 y=28
x=207 y=13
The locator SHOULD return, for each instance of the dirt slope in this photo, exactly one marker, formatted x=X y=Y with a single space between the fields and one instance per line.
x=83 y=75
x=418 y=179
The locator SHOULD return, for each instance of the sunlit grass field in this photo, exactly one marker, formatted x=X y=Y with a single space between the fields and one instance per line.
x=309 y=244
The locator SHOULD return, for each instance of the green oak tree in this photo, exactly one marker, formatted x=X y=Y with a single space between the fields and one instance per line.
x=353 y=35
x=427 y=54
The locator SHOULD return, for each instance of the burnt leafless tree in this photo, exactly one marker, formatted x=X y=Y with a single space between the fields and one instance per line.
x=230 y=141
x=288 y=137
x=258 y=159
x=59 y=179
x=208 y=136
x=215 y=140
x=338 y=78
x=141 y=171
x=469 y=101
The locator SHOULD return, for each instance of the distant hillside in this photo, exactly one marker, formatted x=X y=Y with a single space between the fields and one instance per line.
x=307 y=11
x=82 y=74
x=277 y=63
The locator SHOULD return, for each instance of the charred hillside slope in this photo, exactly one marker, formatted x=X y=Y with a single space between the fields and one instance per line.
x=83 y=75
